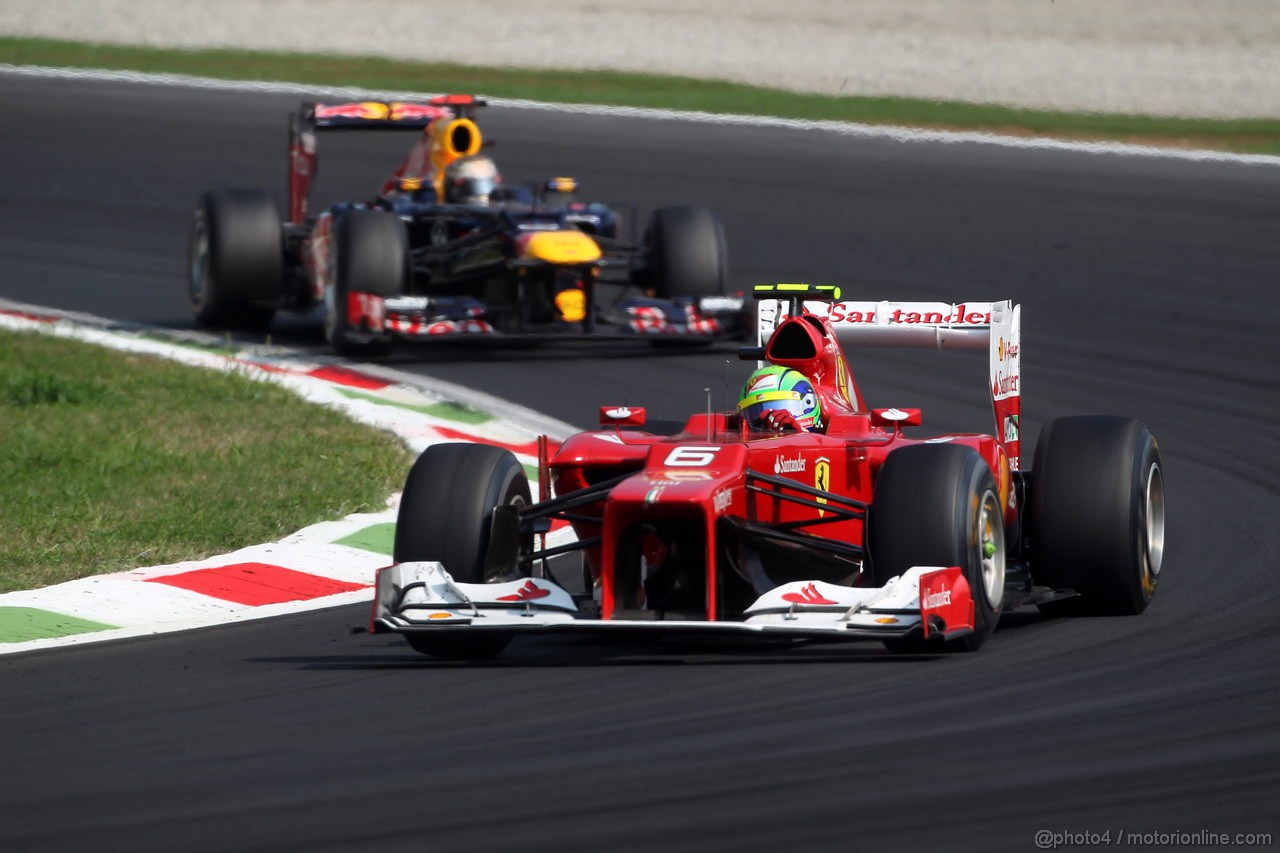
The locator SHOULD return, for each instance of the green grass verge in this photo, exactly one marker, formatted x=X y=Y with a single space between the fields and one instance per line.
x=645 y=90
x=113 y=461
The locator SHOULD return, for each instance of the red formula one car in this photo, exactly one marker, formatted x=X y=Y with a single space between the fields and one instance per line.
x=856 y=531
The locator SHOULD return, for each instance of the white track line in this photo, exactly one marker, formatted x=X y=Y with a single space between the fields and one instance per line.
x=864 y=131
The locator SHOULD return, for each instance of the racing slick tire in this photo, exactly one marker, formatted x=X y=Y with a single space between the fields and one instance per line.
x=686 y=253
x=1097 y=515
x=445 y=515
x=236 y=260
x=370 y=255
x=937 y=505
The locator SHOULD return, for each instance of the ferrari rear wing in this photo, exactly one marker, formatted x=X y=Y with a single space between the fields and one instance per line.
x=932 y=325
x=994 y=326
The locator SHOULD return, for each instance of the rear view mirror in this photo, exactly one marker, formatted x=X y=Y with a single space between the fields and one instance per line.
x=621 y=416
x=896 y=417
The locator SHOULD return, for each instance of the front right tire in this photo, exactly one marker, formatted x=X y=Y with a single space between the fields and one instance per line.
x=686 y=253
x=445 y=515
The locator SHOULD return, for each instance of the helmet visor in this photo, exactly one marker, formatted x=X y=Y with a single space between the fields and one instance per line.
x=801 y=409
x=466 y=189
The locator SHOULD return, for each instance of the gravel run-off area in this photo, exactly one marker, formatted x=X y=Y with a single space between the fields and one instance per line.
x=1212 y=58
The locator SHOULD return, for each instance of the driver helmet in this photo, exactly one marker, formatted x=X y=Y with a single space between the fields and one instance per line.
x=777 y=387
x=470 y=180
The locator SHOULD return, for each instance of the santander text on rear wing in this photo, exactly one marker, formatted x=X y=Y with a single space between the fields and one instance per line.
x=994 y=326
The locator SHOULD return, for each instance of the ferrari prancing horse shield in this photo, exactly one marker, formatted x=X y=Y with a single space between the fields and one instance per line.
x=822 y=479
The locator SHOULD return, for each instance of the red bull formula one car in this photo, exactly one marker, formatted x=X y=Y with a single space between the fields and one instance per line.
x=856 y=531
x=446 y=249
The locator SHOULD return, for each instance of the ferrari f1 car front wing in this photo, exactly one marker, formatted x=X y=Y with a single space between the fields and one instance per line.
x=923 y=602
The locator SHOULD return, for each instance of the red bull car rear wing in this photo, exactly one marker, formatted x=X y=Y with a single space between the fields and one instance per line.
x=390 y=115
x=447 y=119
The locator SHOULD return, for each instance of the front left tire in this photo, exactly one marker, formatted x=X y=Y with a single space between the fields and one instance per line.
x=937 y=505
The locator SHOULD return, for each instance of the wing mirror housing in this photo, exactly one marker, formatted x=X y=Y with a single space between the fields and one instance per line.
x=896 y=418
x=620 y=416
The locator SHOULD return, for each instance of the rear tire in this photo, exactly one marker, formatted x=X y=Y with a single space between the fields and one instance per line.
x=445 y=513
x=686 y=253
x=370 y=255
x=937 y=505
x=236 y=260
x=1097 y=514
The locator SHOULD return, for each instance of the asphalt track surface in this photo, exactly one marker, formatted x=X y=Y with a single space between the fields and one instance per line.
x=1149 y=289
